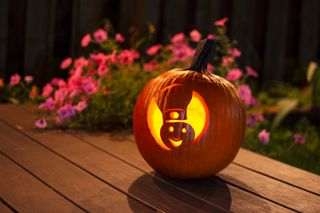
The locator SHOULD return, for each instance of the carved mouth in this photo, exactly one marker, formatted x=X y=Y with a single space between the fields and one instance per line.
x=175 y=143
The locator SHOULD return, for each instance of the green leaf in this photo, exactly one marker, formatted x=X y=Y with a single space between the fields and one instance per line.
x=285 y=107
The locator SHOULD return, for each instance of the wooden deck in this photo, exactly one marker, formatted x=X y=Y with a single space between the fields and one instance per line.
x=69 y=171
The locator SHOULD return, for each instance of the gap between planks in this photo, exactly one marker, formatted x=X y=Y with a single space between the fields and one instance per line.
x=296 y=208
x=260 y=164
x=81 y=182
x=195 y=204
x=38 y=136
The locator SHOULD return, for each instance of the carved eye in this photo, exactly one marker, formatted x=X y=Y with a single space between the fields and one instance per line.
x=171 y=129
x=174 y=115
x=183 y=130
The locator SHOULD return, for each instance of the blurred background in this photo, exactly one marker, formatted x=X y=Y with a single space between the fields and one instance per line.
x=277 y=38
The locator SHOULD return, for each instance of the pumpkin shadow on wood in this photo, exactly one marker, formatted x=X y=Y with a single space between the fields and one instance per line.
x=207 y=193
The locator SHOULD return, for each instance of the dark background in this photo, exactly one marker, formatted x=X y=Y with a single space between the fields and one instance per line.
x=277 y=37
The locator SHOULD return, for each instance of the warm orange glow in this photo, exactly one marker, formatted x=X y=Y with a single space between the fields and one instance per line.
x=197 y=117
x=175 y=143
x=174 y=115
x=155 y=122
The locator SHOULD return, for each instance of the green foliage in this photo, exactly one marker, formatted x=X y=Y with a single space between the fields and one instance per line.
x=283 y=147
x=115 y=108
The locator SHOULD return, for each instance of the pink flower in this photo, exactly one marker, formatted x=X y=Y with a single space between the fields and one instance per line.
x=221 y=22
x=210 y=68
x=234 y=52
x=181 y=52
x=103 y=69
x=252 y=119
x=49 y=104
x=226 y=60
x=254 y=102
x=67 y=111
x=41 y=123
x=85 y=40
x=112 y=58
x=60 y=94
x=28 y=79
x=89 y=85
x=177 y=38
x=81 y=62
x=264 y=137
x=100 y=35
x=55 y=81
x=98 y=58
x=81 y=106
x=15 y=79
x=211 y=36
x=195 y=35
x=245 y=94
x=65 y=63
x=299 y=138
x=251 y=72
x=128 y=56
x=47 y=90
x=151 y=66
x=234 y=74
x=119 y=38
x=154 y=49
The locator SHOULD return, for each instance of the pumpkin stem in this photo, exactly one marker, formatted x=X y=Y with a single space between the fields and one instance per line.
x=201 y=57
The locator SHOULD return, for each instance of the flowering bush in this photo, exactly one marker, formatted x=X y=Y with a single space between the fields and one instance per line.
x=18 y=90
x=102 y=88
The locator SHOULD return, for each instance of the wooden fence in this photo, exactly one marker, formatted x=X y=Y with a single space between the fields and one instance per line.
x=276 y=36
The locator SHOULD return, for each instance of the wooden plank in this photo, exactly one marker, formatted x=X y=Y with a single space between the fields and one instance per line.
x=27 y=194
x=274 y=59
x=110 y=169
x=278 y=170
x=95 y=12
x=4 y=208
x=245 y=158
x=16 y=34
x=174 y=17
x=233 y=174
x=151 y=12
x=242 y=29
x=128 y=152
x=83 y=189
x=38 y=41
x=3 y=35
x=207 y=11
x=309 y=33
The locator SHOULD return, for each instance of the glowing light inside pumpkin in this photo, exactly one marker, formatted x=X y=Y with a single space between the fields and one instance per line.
x=174 y=115
x=197 y=117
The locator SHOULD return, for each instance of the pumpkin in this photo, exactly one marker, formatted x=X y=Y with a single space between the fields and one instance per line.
x=189 y=123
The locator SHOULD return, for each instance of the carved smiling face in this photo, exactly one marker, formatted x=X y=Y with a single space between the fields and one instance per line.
x=176 y=134
x=178 y=123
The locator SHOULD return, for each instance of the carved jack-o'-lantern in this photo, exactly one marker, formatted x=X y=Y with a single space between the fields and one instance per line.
x=189 y=123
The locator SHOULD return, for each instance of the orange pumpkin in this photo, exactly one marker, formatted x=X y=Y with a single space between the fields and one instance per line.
x=189 y=123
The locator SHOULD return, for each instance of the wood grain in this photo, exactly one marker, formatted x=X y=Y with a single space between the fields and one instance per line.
x=267 y=171
x=276 y=191
x=109 y=169
x=127 y=151
x=74 y=183
x=278 y=170
x=4 y=208
x=26 y=193
x=274 y=58
x=309 y=33
x=4 y=5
